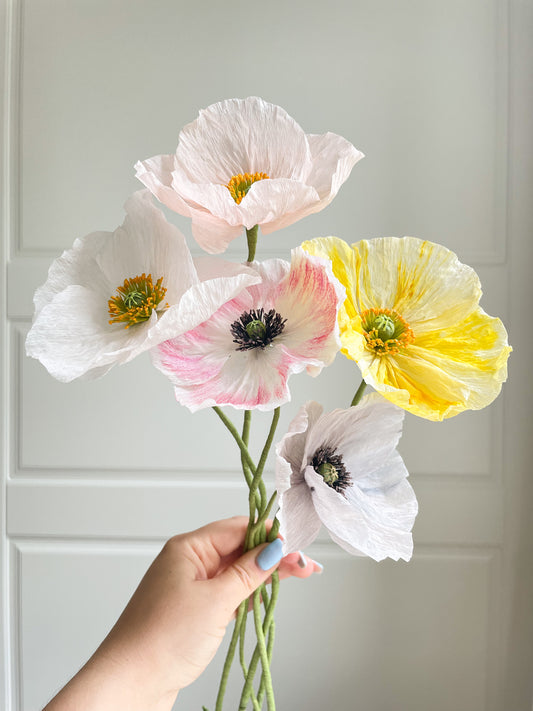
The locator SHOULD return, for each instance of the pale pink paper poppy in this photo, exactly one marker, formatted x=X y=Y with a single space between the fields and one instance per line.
x=245 y=353
x=341 y=470
x=245 y=162
x=115 y=295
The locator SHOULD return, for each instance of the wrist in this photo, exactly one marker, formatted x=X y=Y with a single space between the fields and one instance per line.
x=135 y=666
x=116 y=677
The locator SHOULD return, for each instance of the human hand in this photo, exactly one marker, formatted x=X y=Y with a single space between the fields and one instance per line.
x=176 y=619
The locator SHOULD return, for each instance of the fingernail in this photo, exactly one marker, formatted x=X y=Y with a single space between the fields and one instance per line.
x=320 y=568
x=303 y=560
x=270 y=555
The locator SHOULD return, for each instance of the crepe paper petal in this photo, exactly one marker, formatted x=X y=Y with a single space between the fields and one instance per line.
x=289 y=174
x=300 y=523
x=77 y=332
x=412 y=323
x=224 y=361
x=342 y=469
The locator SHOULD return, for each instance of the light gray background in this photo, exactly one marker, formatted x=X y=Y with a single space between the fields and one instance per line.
x=438 y=95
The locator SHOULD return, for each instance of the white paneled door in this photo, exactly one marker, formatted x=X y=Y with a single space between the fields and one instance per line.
x=96 y=475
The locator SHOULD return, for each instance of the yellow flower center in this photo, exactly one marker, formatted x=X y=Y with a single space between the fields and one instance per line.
x=385 y=331
x=241 y=183
x=135 y=300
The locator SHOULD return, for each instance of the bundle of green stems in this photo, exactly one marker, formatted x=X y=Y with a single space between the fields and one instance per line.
x=263 y=601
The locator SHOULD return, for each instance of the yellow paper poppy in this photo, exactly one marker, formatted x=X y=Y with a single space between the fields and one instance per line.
x=413 y=324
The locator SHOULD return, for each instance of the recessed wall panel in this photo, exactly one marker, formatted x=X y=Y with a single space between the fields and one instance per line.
x=393 y=636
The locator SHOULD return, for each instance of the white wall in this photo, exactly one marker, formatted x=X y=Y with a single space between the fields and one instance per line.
x=438 y=96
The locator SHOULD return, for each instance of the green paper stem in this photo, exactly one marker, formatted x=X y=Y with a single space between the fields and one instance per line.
x=245 y=438
x=359 y=394
x=259 y=510
x=267 y=623
x=270 y=648
x=236 y=436
x=256 y=533
x=242 y=637
x=261 y=520
x=268 y=443
x=249 y=469
x=263 y=654
x=251 y=237
x=258 y=477
x=241 y=613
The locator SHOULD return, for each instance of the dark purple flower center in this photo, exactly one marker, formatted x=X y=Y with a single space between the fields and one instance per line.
x=257 y=329
x=331 y=468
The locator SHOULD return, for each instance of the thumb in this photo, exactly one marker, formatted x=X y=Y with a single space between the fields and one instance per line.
x=246 y=574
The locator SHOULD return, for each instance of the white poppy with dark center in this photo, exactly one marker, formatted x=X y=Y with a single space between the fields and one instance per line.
x=341 y=470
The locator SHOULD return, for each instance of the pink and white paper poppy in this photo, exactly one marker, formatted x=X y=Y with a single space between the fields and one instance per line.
x=283 y=173
x=245 y=353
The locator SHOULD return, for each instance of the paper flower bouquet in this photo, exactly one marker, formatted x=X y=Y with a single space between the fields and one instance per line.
x=405 y=311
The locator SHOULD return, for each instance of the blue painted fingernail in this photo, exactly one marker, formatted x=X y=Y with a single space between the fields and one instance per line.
x=320 y=568
x=302 y=560
x=270 y=555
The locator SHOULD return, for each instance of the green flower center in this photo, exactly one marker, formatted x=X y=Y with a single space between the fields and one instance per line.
x=331 y=468
x=257 y=329
x=328 y=472
x=385 y=331
x=135 y=300
x=385 y=326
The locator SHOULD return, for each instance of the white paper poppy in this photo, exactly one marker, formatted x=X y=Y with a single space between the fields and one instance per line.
x=341 y=470
x=114 y=295
x=245 y=162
